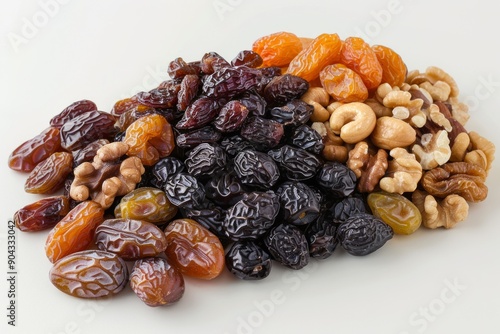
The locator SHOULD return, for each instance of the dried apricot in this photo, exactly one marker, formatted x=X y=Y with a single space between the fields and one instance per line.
x=393 y=68
x=343 y=84
x=359 y=57
x=277 y=49
x=323 y=50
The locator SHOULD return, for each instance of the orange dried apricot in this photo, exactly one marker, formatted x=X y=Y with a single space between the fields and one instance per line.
x=393 y=68
x=323 y=50
x=343 y=84
x=359 y=57
x=277 y=49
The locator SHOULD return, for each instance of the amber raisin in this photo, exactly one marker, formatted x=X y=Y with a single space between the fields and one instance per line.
x=277 y=49
x=49 y=175
x=343 y=84
x=393 y=68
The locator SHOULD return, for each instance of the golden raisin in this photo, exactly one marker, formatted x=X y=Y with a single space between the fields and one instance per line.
x=323 y=50
x=393 y=68
x=277 y=49
x=343 y=84
x=359 y=57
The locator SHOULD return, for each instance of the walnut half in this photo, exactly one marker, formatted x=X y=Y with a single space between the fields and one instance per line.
x=106 y=177
x=440 y=213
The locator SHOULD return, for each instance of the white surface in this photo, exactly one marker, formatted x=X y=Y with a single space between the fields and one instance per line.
x=107 y=50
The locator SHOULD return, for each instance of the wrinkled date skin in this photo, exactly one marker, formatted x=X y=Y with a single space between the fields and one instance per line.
x=49 y=175
x=308 y=139
x=205 y=159
x=184 y=191
x=30 y=153
x=284 y=88
x=224 y=189
x=193 y=249
x=88 y=153
x=148 y=204
x=256 y=169
x=73 y=110
x=75 y=231
x=337 y=179
x=130 y=239
x=248 y=261
x=262 y=132
x=150 y=138
x=299 y=204
x=297 y=164
x=188 y=90
x=160 y=97
x=288 y=245
x=362 y=234
x=252 y=217
x=90 y=274
x=230 y=81
x=42 y=214
x=231 y=116
x=206 y=134
x=86 y=128
x=156 y=282
x=164 y=168
x=201 y=112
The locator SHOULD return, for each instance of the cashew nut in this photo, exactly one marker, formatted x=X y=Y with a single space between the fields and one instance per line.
x=391 y=132
x=353 y=121
x=319 y=99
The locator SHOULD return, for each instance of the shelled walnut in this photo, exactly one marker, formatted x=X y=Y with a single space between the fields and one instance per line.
x=106 y=177
x=440 y=213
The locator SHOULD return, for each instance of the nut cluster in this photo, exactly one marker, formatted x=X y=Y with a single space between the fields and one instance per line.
x=409 y=139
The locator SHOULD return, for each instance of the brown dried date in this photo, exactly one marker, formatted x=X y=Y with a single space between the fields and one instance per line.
x=165 y=96
x=188 y=91
x=178 y=69
x=75 y=109
x=75 y=231
x=156 y=282
x=30 y=153
x=193 y=249
x=42 y=214
x=85 y=128
x=49 y=175
x=122 y=106
x=89 y=274
x=88 y=153
x=201 y=112
x=460 y=178
x=231 y=81
x=150 y=138
x=130 y=239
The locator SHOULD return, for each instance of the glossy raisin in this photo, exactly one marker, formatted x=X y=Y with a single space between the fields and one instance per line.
x=230 y=81
x=201 y=112
x=156 y=282
x=75 y=231
x=231 y=116
x=212 y=62
x=193 y=249
x=205 y=160
x=294 y=113
x=130 y=239
x=247 y=58
x=121 y=106
x=396 y=211
x=188 y=91
x=42 y=214
x=321 y=237
x=248 y=261
x=90 y=274
x=277 y=49
x=75 y=109
x=86 y=128
x=255 y=103
x=393 y=68
x=296 y=163
x=211 y=218
x=252 y=216
x=308 y=139
x=256 y=169
x=235 y=144
x=336 y=179
x=132 y=115
x=178 y=69
x=343 y=84
x=150 y=138
x=148 y=204
x=299 y=204
x=49 y=175
x=165 y=168
x=164 y=97
x=284 y=88
x=190 y=139
x=263 y=133
x=224 y=189
x=347 y=207
x=184 y=191
x=287 y=244
x=30 y=153
x=362 y=234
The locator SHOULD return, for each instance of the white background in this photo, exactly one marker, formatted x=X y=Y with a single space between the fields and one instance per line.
x=108 y=50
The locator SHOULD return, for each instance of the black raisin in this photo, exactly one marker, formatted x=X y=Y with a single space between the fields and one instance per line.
x=297 y=164
x=288 y=245
x=247 y=260
x=308 y=139
x=299 y=204
x=184 y=191
x=205 y=159
x=256 y=169
x=294 y=113
x=336 y=179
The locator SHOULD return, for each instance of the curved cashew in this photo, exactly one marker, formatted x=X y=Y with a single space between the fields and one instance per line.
x=319 y=99
x=353 y=121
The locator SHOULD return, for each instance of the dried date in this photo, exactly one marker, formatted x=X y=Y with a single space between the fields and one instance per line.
x=49 y=175
x=206 y=134
x=288 y=245
x=256 y=169
x=248 y=261
x=299 y=204
x=184 y=191
x=230 y=81
x=297 y=164
x=284 y=88
x=75 y=109
x=205 y=159
x=263 y=133
x=42 y=214
x=86 y=128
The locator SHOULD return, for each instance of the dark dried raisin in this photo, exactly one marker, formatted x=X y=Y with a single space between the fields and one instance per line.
x=247 y=260
x=262 y=132
x=288 y=245
x=256 y=169
x=205 y=159
x=294 y=113
x=284 y=88
x=297 y=164
x=299 y=204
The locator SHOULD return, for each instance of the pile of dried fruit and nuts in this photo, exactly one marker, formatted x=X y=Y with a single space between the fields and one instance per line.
x=279 y=155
